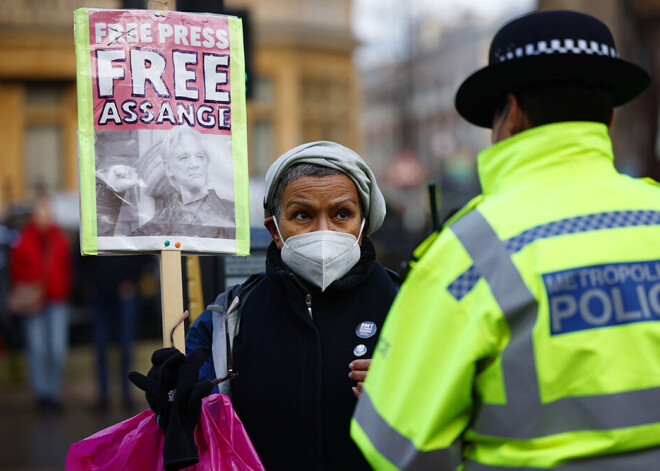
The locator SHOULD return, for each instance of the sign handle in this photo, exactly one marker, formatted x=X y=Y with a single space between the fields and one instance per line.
x=171 y=297
x=195 y=296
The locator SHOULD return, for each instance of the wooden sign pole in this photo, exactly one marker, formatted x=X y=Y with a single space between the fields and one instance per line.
x=194 y=283
x=171 y=297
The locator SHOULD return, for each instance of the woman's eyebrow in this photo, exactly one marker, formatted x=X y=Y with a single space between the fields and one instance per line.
x=333 y=204
x=341 y=202
x=302 y=203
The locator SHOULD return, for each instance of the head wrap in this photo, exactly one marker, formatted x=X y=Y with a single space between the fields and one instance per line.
x=335 y=156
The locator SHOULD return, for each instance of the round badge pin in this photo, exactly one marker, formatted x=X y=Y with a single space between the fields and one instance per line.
x=359 y=350
x=366 y=329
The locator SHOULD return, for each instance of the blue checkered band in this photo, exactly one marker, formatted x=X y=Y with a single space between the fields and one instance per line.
x=591 y=222
x=558 y=46
x=464 y=283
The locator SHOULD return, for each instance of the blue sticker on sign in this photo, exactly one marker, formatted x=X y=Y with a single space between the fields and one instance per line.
x=603 y=295
x=366 y=329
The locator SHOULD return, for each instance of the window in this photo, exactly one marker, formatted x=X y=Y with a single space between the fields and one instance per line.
x=43 y=136
x=326 y=103
x=261 y=145
x=43 y=144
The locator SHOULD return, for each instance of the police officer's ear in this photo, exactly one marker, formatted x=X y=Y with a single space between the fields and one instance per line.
x=610 y=123
x=511 y=120
x=270 y=225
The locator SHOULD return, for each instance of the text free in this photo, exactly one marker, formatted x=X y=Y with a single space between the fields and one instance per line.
x=146 y=65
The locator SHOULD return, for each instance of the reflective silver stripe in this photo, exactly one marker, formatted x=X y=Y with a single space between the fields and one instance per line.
x=573 y=225
x=523 y=416
x=398 y=449
x=634 y=460
x=531 y=419
x=519 y=307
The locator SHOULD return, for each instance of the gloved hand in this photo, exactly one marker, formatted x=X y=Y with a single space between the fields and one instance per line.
x=179 y=450
x=160 y=382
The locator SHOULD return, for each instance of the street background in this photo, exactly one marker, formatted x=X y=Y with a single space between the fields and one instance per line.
x=378 y=76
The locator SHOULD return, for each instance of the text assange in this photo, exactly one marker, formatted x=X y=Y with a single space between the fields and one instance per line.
x=149 y=65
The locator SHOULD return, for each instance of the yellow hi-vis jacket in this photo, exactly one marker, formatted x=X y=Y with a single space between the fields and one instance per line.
x=527 y=335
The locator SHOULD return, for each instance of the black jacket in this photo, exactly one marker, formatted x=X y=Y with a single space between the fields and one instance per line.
x=292 y=392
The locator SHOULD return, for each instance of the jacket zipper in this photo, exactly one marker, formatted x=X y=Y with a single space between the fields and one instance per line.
x=308 y=296
x=308 y=301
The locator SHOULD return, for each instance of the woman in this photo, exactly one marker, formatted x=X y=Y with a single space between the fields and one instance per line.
x=310 y=323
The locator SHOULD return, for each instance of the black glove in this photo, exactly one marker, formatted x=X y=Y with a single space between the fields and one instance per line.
x=179 y=450
x=160 y=382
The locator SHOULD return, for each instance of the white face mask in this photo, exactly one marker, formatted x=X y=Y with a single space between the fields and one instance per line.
x=321 y=257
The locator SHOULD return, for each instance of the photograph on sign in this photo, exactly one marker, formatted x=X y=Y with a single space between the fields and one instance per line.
x=162 y=132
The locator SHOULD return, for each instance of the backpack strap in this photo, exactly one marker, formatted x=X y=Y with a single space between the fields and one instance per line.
x=394 y=276
x=227 y=310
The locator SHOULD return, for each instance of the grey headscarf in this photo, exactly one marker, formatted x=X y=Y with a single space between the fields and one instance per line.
x=335 y=156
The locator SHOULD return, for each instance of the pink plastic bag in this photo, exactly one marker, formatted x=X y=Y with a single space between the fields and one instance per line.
x=137 y=443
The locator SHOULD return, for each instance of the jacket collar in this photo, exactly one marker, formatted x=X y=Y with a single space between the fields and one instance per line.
x=277 y=269
x=545 y=152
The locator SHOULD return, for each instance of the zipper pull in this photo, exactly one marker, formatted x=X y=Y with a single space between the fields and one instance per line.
x=308 y=301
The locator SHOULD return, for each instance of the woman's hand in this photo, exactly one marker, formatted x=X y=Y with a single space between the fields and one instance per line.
x=358 y=373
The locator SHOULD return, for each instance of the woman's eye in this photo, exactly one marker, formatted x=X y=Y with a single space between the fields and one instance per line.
x=343 y=214
x=301 y=215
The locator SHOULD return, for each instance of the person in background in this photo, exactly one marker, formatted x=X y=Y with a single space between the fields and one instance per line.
x=526 y=334
x=111 y=289
x=42 y=255
x=9 y=333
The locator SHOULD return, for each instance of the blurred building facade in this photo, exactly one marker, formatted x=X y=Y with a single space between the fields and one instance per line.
x=410 y=104
x=304 y=85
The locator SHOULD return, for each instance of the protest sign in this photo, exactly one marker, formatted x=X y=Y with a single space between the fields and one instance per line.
x=162 y=140
x=162 y=132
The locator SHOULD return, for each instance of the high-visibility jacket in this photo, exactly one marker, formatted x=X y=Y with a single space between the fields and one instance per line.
x=527 y=334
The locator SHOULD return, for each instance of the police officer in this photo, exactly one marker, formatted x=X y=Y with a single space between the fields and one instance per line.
x=527 y=334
